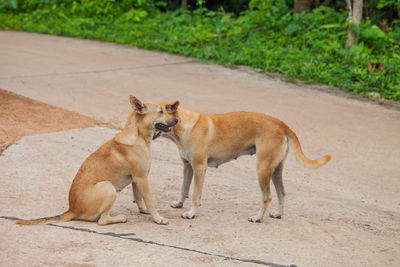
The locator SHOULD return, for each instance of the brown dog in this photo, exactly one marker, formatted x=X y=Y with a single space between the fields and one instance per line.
x=123 y=160
x=213 y=139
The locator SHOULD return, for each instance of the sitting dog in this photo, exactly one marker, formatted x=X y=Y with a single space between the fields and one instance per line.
x=213 y=139
x=123 y=160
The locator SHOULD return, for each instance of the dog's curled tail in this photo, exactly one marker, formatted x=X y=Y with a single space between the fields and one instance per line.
x=66 y=216
x=309 y=163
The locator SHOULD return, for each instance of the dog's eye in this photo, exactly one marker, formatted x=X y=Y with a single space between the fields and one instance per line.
x=161 y=111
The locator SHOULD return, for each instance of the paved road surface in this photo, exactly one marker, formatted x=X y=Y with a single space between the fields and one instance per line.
x=346 y=213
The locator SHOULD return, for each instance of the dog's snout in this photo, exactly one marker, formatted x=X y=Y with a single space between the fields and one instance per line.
x=172 y=122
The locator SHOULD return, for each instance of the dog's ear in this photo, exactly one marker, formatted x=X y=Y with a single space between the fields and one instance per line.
x=172 y=107
x=137 y=105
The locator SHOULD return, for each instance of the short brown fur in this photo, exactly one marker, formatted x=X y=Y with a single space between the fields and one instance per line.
x=123 y=160
x=213 y=139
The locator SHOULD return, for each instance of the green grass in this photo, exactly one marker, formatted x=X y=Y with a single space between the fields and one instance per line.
x=308 y=46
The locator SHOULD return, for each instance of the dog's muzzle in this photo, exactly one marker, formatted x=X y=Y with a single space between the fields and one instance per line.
x=166 y=127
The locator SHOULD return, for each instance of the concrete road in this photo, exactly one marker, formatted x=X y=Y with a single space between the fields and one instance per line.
x=346 y=213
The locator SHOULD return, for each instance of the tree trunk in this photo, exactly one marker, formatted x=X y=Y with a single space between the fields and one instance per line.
x=301 y=5
x=184 y=4
x=355 y=8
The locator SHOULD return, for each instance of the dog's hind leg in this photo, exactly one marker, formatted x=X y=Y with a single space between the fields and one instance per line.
x=280 y=191
x=187 y=180
x=268 y=160
x=264 y=178
x=99 y=200
x=278 y=182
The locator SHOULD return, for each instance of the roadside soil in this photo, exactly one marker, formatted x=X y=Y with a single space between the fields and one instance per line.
x=21 y=116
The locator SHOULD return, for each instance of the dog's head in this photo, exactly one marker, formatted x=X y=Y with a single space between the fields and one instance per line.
x=157 y=117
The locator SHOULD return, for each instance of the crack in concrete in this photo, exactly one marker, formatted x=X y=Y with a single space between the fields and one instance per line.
x=139 y=240
x=97 y=71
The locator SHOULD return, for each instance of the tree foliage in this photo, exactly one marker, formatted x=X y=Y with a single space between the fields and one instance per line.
x=268 y=36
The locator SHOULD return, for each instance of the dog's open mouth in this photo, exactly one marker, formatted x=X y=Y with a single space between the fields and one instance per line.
x=163 y=127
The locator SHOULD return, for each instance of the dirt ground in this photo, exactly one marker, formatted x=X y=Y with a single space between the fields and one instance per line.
x=346 y=213
x=21 y=116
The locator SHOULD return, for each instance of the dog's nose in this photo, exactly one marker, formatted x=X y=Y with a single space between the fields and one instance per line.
x=176 y=120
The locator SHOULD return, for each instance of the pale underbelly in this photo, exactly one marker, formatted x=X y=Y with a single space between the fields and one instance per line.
x=215 y=161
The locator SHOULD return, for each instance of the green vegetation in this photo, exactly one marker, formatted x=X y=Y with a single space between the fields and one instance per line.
x=267 y=36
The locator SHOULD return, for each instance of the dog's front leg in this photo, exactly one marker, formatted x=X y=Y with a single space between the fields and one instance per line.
x=138 y=199
x=199 y=172
x=187 y=180
x=144 y=191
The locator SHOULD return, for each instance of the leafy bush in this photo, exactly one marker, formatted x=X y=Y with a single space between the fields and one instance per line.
x=268 y=36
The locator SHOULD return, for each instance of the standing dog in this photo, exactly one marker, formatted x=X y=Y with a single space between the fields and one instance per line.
x=213 y=139
x=123 y=160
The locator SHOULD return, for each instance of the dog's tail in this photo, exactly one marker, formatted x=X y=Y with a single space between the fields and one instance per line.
x=309 y=163
x=66 y=216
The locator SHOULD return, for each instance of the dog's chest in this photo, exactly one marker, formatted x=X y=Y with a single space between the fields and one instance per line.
x=185 y=154
x=124 y=181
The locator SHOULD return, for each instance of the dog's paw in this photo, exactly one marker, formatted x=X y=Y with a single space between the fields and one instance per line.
x=255 y=219
x=161 y=220
x=122 y=218
x=275 y=215
x=176 y=204
x=188 y=214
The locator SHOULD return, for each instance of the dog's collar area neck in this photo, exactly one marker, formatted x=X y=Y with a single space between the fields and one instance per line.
x=156 y=134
